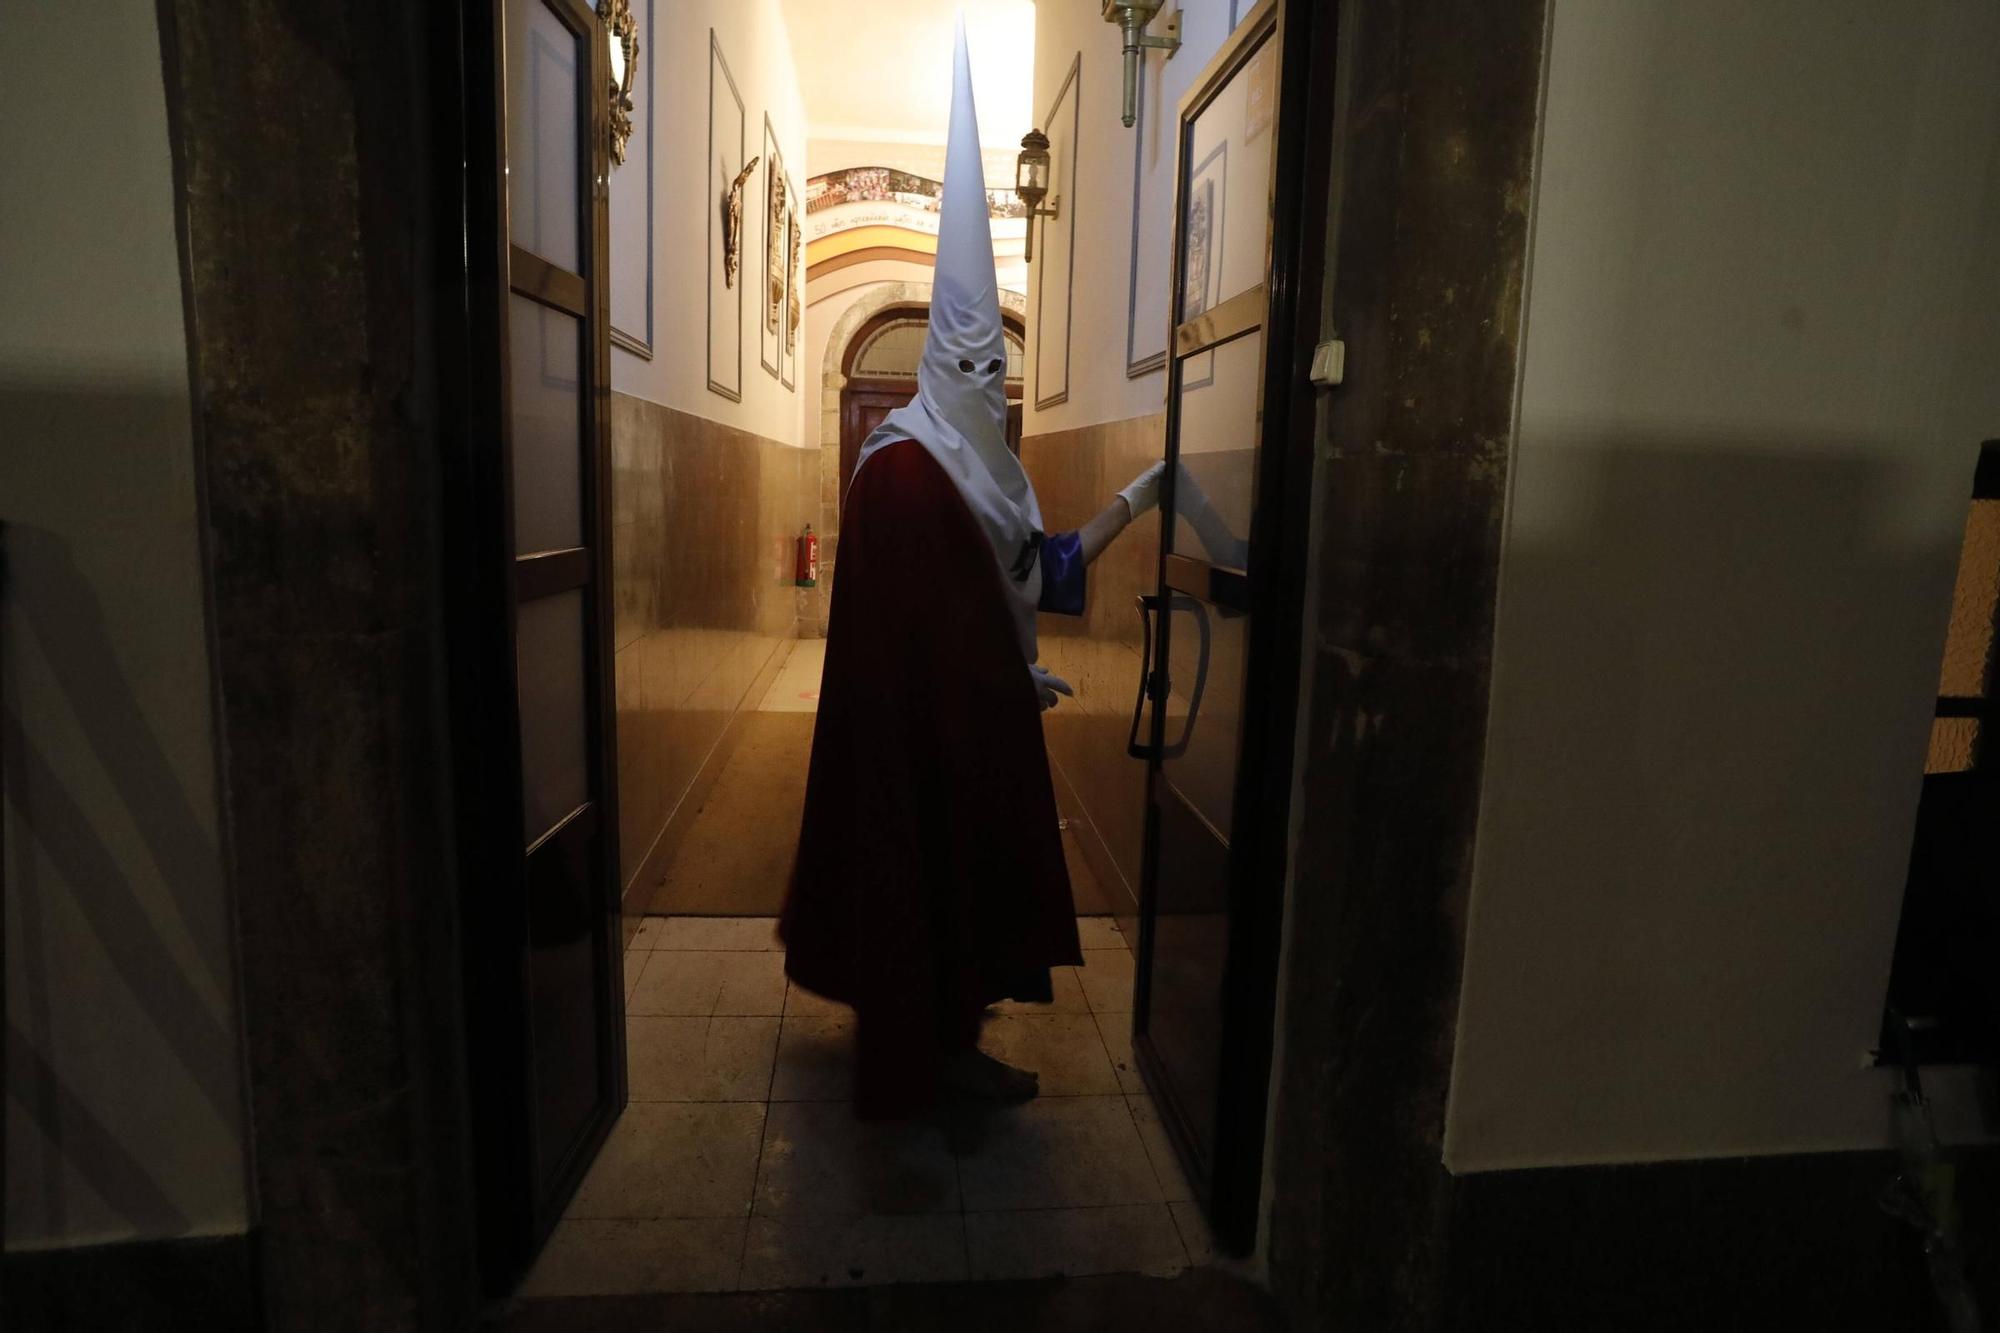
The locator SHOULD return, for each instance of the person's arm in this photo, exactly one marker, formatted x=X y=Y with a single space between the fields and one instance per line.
x=1114 y=518
x=1066 y=555
x=1101 y=531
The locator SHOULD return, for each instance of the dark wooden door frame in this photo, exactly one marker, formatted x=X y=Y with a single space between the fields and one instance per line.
x=1304 y=38
x=480 y=648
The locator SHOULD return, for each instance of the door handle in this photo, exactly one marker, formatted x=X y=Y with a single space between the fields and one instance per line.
x=1155 y=683
x=1147 y=604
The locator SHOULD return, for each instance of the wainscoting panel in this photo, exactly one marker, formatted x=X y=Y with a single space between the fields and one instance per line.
x=704 y=518
x=1075 y=474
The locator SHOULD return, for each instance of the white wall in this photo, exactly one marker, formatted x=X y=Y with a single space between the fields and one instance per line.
x=124 y=1087
x=1114 y=314
x=1763 y=342
x=753 y=39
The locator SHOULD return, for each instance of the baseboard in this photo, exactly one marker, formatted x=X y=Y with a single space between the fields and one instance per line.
x=642 y=893
x=206 y=1283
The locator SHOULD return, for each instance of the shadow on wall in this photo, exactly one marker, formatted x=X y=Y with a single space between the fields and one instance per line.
x=51 y=610
x=1709 y=616
x=1715 y=669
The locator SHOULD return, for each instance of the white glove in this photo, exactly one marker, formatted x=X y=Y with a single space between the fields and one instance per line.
x=1144 y=492
x=1049 y=685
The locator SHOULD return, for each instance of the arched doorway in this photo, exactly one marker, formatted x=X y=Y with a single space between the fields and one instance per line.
x=878 y=369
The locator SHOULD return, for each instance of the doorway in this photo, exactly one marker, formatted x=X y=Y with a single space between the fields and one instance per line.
x=738 y=1161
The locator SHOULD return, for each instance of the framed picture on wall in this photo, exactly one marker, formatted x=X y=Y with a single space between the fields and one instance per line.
x=1162 y=83
x=794 y=298
x=632 y=211
x=1055 y=264
x=771 y=290
x=726 y=179
x=1201 y=279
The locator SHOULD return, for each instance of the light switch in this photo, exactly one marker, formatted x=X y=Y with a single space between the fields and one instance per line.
x=1329 y=363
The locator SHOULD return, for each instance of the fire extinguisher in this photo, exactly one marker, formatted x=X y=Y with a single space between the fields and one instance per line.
x=808 y=559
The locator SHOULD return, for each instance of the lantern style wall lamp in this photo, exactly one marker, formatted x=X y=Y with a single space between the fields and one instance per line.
x=1132 y=16
x=1031 y=182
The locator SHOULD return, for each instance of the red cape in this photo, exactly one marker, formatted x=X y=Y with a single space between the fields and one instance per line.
x=930 y=879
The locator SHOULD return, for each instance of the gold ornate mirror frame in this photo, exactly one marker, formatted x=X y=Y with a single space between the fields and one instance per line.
x=621 y=26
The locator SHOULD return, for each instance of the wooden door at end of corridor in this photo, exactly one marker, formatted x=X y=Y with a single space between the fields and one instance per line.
x=863 y=404
x=530 y=623
x=1225 y=624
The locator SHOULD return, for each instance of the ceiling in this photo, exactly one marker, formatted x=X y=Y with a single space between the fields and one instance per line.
x=882 y=70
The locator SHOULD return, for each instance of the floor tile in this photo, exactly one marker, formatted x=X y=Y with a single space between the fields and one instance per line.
x=1053 y=1152
x=624 y=1258
x=1194 y=1231
x=1074 y=1242
x=801 y=1001
x=650 y=931
x=815 y=1059
x=1107 y=980
x=746 y=933
x=796 y=686
x=1100 y=932
x=1116 y=1030
x=711 y=982
x=853 y=1251
x=635 y=965
x=1063 y=1049
x=819 y=1159
x=675 y=1159
x=1068 y=993
x=1159 y=1150
x=700 y=1059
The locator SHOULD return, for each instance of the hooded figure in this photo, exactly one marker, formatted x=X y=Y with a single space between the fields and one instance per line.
x=959 y=414
x=930 y=880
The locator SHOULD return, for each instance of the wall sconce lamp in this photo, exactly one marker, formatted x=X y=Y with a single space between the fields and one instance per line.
x=1132 y=16
x=1031 y=182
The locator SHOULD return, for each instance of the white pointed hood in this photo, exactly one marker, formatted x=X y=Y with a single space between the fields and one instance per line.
x=960 y=415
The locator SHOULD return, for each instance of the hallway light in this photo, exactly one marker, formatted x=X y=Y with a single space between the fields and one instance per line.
x=1031 y=182
x=1132 y=16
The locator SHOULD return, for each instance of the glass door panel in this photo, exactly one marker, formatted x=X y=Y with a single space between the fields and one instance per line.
x=545 y=375
x=1216 y=479
x=1226 y=202
x=555 y=709
x=545 y=156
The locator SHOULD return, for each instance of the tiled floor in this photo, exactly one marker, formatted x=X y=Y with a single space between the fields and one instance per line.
x=739 y=1164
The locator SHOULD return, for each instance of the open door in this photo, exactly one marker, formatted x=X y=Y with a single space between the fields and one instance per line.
x=531 y=651
x=1223 y=627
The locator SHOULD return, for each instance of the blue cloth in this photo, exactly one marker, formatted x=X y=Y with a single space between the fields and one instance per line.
x=1063 y=573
